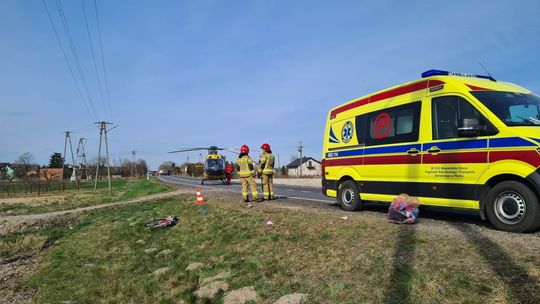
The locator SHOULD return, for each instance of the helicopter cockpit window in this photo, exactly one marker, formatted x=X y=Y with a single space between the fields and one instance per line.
x=215 y=164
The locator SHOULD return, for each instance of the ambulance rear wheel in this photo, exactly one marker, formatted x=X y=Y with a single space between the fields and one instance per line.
x=512 y=206
x=349 y=196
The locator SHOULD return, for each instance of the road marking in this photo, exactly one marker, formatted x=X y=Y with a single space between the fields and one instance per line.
x=305 y=191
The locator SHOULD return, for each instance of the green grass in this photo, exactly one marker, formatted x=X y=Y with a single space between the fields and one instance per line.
x=121 y=190
x=355 y=261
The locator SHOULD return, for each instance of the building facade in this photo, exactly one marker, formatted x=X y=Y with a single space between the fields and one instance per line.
x=307 y=166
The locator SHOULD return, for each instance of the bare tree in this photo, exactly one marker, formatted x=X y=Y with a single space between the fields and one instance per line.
x=141 y=167
x=24 y=162
x=168 y=166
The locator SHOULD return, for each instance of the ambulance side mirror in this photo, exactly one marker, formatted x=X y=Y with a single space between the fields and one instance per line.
x=470 y=127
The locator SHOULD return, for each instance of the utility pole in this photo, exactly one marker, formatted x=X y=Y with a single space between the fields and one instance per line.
x=103 y=133
x=300 y=148
x=132 y=162
x=81 y=157
x=73 y=161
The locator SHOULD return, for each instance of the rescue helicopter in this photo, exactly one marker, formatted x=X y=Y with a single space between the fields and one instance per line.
x=214 y=163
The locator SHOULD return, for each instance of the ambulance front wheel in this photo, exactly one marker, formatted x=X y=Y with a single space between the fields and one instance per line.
x=512 y=206
x=349 y=196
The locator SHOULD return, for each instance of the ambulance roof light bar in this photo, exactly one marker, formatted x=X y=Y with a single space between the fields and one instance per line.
x=447 y=73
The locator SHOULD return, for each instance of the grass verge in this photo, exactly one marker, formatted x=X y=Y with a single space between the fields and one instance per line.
x=111 y=257
x=69 y=199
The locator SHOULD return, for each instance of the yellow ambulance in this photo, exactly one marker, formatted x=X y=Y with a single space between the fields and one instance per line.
x=451 y=139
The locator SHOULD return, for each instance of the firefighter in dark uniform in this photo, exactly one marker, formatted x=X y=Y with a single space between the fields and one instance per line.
x=266 y=171
x=244 y=166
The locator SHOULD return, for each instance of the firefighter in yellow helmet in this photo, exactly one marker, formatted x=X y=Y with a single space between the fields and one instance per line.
x=266 y=171
x=244 y=165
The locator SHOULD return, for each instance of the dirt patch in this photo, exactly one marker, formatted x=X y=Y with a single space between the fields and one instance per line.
x=211 y=290
x=219 y=276
x=160 y=271
x=194 y=266
x=10 y=225
x=293 y=298
x=12 y=275
x=241 y=296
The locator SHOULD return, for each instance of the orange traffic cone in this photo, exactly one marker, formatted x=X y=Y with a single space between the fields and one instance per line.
x=201 y=202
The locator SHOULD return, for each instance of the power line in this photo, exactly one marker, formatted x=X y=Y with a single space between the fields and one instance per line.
x=75 y=55
x=103 y=61
x=67 y=62
x=93 y=57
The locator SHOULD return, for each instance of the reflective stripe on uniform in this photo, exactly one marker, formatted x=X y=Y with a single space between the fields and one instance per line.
x=267 y=163
x=244 y=163
x=244 y=173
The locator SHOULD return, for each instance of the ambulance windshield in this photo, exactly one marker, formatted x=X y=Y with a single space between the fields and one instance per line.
x=514 y=109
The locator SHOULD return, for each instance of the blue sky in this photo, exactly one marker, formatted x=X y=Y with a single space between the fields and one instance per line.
x=227 y=73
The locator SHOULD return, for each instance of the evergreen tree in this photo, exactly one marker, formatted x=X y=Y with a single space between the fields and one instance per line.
x=56 y=160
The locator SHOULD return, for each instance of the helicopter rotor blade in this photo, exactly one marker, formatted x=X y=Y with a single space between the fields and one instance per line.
x=188 y=149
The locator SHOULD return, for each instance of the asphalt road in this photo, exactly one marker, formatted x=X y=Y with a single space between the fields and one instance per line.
x=313 y=197
x=281 y=191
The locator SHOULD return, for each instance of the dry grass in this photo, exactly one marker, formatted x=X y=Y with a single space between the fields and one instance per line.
x=69 y=199
x=363 y=259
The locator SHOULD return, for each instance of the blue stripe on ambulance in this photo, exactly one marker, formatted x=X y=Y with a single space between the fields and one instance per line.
x=507 y=142
x=458 y=145
x=393 y=149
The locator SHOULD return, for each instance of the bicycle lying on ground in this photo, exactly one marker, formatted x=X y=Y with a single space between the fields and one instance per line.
x=171 y=220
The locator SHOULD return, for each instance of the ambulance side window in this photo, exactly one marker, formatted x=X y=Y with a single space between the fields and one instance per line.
x=447 y=111
x=391 y=125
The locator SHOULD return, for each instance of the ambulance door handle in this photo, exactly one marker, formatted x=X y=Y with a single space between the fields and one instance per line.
x=434 y=150
x=413 y=152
